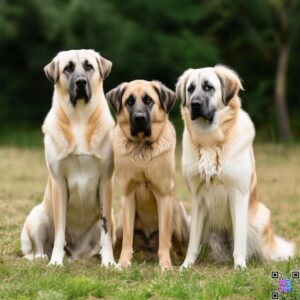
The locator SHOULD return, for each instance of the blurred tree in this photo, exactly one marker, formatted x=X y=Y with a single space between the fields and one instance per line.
x=271 y=29
x=155 y=39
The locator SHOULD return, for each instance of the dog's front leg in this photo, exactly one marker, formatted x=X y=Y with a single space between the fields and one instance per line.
x=196 y=229
x=59 y=194
x=105 y=196
x=165 y=210
x=239 y=215
x=128 y=214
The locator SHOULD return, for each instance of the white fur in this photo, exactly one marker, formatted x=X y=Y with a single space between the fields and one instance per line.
x=219 y=180
x=82 y=174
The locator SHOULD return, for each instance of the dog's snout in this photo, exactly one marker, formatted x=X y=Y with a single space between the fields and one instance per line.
x=197 y=102
x=140 y=117
x=81 y=83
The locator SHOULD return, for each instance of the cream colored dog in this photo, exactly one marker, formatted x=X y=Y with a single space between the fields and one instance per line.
x=219 y=168
x=78 y=149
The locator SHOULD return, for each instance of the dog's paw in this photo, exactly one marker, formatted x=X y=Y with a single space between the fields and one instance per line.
x=29 y=256
x=108 y=263
x=185 y=265
x=240 y=264
x=123 y=264
x=55 y=262
x=41 y=256
x=165 y=264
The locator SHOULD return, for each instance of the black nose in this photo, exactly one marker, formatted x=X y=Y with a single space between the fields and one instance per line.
x=196 y=103
x=140 y=117
x=81 y=83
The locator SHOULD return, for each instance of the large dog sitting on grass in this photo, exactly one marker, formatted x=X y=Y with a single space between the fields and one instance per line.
x=78 y=149
x=219 y=167
x=144 y=153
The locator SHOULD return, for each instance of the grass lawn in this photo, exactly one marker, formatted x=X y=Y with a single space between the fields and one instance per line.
x=22 y=180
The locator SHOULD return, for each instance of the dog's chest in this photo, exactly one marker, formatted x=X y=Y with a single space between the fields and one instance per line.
x=209 y=164
x=81 y=146
x=214 y=187
x=82 y=173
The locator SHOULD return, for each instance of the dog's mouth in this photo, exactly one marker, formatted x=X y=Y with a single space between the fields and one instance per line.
x=140 y=130
x=77 y=94
x=207 y=115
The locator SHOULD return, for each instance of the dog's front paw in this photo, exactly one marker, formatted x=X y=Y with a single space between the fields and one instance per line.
x=239 y=264
x=165 y=264
x=108 y=263
x=41 y=256
x=186 y=264
x=56 y=262
x=124 y=264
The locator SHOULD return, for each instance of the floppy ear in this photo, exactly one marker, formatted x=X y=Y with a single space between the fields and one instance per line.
x=181 y=86
x=115 y=95
x=230 y=82
x=166 y=96
x=104 y=66
x=51 y=71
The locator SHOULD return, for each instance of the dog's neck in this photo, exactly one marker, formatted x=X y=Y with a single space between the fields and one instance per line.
x=81 y=111
x=146 y=150
x=218 y=134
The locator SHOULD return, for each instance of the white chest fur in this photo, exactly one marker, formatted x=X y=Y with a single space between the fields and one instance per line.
x=212 y=178
x=82 y=174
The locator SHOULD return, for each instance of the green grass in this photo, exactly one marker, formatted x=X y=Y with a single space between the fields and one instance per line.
x=22 y=180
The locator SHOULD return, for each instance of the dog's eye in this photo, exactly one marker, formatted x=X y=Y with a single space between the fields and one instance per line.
x=69 y=68
x=88 y=67
x=207 y=87
x=147 y=100
x=191 y=88
x=130 y=101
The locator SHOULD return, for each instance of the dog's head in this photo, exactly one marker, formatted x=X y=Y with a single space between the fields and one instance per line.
x=204 y=92
x=77 y=73
x=142 y=108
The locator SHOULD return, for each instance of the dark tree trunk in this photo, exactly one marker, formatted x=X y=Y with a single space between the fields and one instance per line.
x=280 y=94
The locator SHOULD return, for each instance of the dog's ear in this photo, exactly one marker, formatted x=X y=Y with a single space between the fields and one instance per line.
x=181 y=86
x=104 y=66
x=230 y=82
x=51 y=70
x=166 y=96
x=115 y=95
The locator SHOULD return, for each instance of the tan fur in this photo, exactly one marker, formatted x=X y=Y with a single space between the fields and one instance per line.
x=145 y=168
x=64 y=125
x=78 y=147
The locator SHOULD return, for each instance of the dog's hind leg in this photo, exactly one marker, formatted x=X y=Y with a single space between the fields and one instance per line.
x=26 y=243
x=34 y=234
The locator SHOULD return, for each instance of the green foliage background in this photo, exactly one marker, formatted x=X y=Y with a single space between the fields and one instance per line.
x=155 y=39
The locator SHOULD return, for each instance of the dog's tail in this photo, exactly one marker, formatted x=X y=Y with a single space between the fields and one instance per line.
x=270 y=247
x=282 y=250
x=26 y=243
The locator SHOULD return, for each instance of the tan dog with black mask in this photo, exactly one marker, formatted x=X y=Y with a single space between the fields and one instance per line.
x=144 y=155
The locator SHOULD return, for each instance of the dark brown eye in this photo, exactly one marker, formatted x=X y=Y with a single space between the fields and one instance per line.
x=88 y=66
x=69 y=68
x=147 y=100
x=191 y=88
x=130 y=101
x=207 y=86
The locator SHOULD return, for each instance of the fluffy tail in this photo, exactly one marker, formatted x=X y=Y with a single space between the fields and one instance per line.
x=26 y=244
x=283 y=249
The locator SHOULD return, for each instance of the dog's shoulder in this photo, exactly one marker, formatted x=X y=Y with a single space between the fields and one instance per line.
x=242 y=134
